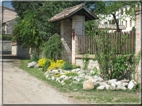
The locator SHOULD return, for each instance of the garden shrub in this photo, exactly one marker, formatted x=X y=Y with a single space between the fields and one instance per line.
x=46 y=65
x=67 y=66
x=119 y=67
x=58 y=64
x=53 y=48
x=41 y=62
x=34 y=58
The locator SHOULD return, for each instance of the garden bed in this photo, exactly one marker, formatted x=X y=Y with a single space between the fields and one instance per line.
x=76 y=91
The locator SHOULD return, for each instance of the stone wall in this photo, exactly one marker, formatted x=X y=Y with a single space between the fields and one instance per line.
x=6 y=46
x=92 y=64
x=138 y=41
x=78 y=25
x=20 y=51
x=66 y=28
x=8 y=27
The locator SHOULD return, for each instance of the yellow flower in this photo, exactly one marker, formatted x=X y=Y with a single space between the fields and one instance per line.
x=56 y=65
x=41 y=62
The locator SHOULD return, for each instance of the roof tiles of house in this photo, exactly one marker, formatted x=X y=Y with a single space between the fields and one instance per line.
x=69 y=12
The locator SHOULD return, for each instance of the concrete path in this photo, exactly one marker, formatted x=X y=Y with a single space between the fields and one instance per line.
x=19 y=87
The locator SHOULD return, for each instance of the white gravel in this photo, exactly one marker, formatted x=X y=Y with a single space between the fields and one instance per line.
x=19 y=87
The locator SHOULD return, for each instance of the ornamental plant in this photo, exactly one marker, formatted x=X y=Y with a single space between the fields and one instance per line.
x=41 y=62
x=56 y=64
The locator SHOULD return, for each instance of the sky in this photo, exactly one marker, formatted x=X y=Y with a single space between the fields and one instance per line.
x=7 y=3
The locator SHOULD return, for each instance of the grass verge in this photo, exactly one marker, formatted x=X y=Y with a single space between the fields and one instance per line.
x=92 y=96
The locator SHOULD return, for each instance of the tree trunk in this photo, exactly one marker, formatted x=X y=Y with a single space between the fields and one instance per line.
x=117 y=25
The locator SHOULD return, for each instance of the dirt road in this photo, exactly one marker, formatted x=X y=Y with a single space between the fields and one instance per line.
x=19 y=87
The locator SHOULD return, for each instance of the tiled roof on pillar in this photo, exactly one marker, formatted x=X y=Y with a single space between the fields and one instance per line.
x=75 y=10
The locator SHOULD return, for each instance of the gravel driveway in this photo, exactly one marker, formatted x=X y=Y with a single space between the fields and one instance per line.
x=19 y=87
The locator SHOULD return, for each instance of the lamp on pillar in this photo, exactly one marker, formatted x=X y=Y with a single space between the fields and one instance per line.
x=73 y=33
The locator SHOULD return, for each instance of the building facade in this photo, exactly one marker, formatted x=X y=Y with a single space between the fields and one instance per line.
x=126 y=23
x=8 y=20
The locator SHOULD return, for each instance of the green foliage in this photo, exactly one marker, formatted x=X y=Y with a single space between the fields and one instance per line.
x=71 y=74
x=120 y=66
x=34 y=57
x=53 y=47
x=85 y=61
x=26 y=30
x=111 y=65
x=6 y=37
x=96 y=72
x=67 y=66
x=135 y=59
x=47 y=64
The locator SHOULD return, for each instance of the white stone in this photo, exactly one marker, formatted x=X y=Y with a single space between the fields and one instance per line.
x=107 y=86
x=55 y=71
x=112 y=81
x=92 y=71
x=74 y=70
x=53 y=78
x=78 y=79
x=78 y=69
x=112 y=86
x=57 y=79
x=87 y=77
x=81 y=75
x=32 y=64
x=102 y=83
x=47 y=76
x=66 y=78
x=118 y=83
x=124 y=84
x=62 y=76
x=46 y=73
x=36 y=66
x=88 y=85
x=131 y=84
x=125 y=81
x=98 y=79
x=121 y=87
x=100 y=87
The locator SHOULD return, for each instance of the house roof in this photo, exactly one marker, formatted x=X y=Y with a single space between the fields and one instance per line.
x=75 y=10
x=111 y=26
x=8 y=14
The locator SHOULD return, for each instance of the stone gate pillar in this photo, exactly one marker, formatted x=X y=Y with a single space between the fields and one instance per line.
x=78 y=26
x=66 y=28
x=138 y=41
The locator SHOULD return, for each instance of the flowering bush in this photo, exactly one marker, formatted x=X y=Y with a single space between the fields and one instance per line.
x=41 y=62
x=56 y=65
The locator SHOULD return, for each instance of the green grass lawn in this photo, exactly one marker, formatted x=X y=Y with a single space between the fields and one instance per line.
x=92 y=96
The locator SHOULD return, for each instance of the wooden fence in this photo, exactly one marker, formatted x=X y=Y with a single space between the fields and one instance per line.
x=122 y=42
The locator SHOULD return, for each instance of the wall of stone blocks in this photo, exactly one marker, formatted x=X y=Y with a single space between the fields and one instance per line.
x=6 y=46
x=66 y=29
x=92 y=64
x=78 y=25
x=20 y=51
x=138 y=41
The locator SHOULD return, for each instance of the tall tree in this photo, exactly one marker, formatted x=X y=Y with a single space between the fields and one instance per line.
x=111 y=8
